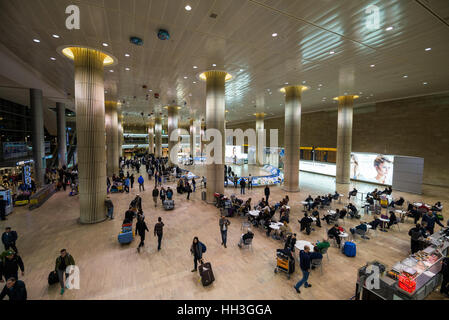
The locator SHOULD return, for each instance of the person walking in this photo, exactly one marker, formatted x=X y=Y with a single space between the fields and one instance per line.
x=242 y=185
x=14 y=289
x=62 y=262
x=127 y=185
x=110 y=207
x=162 y=195
x=304 y=263
x=224 y=223
x=250 y=182
x=9 y=238
x=158 y=231
x=155 y=196
x=131 y=180
x=194 y=184
x=141 y=186
x=141 y=227
x=10 y=264
x=3 y=204
x=197 y=249
x=189 y=190
x=267 y=193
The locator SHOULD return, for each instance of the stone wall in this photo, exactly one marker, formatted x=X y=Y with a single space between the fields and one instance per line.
x=411 y=127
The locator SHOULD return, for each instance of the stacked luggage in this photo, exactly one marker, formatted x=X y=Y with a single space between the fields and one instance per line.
x=349 y=249
x=127 y=234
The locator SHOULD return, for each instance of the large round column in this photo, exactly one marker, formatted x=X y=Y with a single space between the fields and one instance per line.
x=90 y=127
x=292 y=137
x=215 y=120
x=151 y=137
x=158 y=137
x=61 y=131
x=172 y=124
x=37 y=137
x=260 y=138
x=112 y=138
x=344 y=137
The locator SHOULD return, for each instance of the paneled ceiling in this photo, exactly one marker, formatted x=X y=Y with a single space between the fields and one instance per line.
x=335 y=47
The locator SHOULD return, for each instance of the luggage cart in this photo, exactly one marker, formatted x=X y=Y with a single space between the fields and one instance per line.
x=282 y=264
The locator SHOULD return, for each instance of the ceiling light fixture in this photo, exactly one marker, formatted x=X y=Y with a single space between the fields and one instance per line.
x=428 y=49
x=36 y=40
x=185 y=77
x=111 y=70
x=372 y=66
x=52 y=58
x=214 y=65
x=274 y=35
x=127 y=69
x=126 y=54
x=195 y=67
x=105 y=44
x=55 y=36
x=332 y=52
x=188 y=8
x=405 y=76
x=194 y=81
x=389 y=29
x=425 y=83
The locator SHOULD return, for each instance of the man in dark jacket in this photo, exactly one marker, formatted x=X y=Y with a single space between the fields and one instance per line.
x=2 y=208
x=14 y=289
x=10 y=264
x=9 y=238
x=445 y=272
x=290 y=242
x=110 y=207
x=61 y=264
x=430 y=219
x=416 y=234
x=242 y=185
x=158 y=231
x=304 y=264
x=267 y=193
x=141 y=227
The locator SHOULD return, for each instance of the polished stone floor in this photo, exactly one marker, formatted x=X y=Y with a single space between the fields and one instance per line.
x=109 y=270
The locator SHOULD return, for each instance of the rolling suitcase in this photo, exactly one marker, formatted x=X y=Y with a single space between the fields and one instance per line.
x=53 y=278
x=203 y=195
x=169 y=204
x=349 y=249
x=206 y=274
x=126 y=237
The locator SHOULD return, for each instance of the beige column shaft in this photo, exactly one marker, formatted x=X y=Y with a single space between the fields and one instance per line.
x=259 y=131
x=120 y=135
x=172 y=125
x=292 y=137
x=215 y=119
x=344 y=138
x=203 y=128
x=151 y=138
x=90 y=127
x=158 y=137
x=112 y=138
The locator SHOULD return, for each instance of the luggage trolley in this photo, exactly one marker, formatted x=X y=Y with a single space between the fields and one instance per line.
x=283 y=264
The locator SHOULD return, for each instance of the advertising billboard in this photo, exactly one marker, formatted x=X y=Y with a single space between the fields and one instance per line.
x=372 y=167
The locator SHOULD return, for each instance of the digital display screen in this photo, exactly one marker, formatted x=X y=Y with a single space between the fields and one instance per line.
x=375 y=168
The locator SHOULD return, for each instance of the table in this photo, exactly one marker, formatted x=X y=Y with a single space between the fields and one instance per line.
x=304 y=203
x=401 y=213
x=275 y=226
x=300 y=244
x=254 y=213
x=343 y=235
x=383 y=224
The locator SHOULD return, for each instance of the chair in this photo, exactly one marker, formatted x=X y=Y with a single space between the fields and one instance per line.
x=361 y=233
x=317 y=263
x=245 y=225
x=248 y=243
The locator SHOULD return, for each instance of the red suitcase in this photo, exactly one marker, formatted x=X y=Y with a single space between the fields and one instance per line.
x=206 y=274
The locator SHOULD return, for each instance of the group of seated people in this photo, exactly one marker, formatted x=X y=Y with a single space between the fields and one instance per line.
x=306 y=222
x=320 y=201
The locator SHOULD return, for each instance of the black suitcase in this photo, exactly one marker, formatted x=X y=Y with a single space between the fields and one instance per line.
x=206 y=274
x=53 y=278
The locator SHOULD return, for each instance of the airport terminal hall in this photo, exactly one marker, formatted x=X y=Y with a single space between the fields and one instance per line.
x=224 y=150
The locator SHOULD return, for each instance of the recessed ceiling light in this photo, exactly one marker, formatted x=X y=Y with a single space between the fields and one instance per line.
x=389 y=29
x=274 y=34
x=405 y=76
x=127 y=69
x=105 y=44
x=214 y=65
x=36 y=40
x=241 y=70
x=428 y=49
x=194 y=81
x=126 y=54
x=111 y=70
x=185 y=77
x=332 y=52
x=424 y=83
x=55 y=36
x=303 y=82
x=319 y=88
x=52 y=58
x=286 y=83
x=188 y=8
x=320 y=85
x=372 y=66
x=360 y=92
x=150 y=90
x=195 y=67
